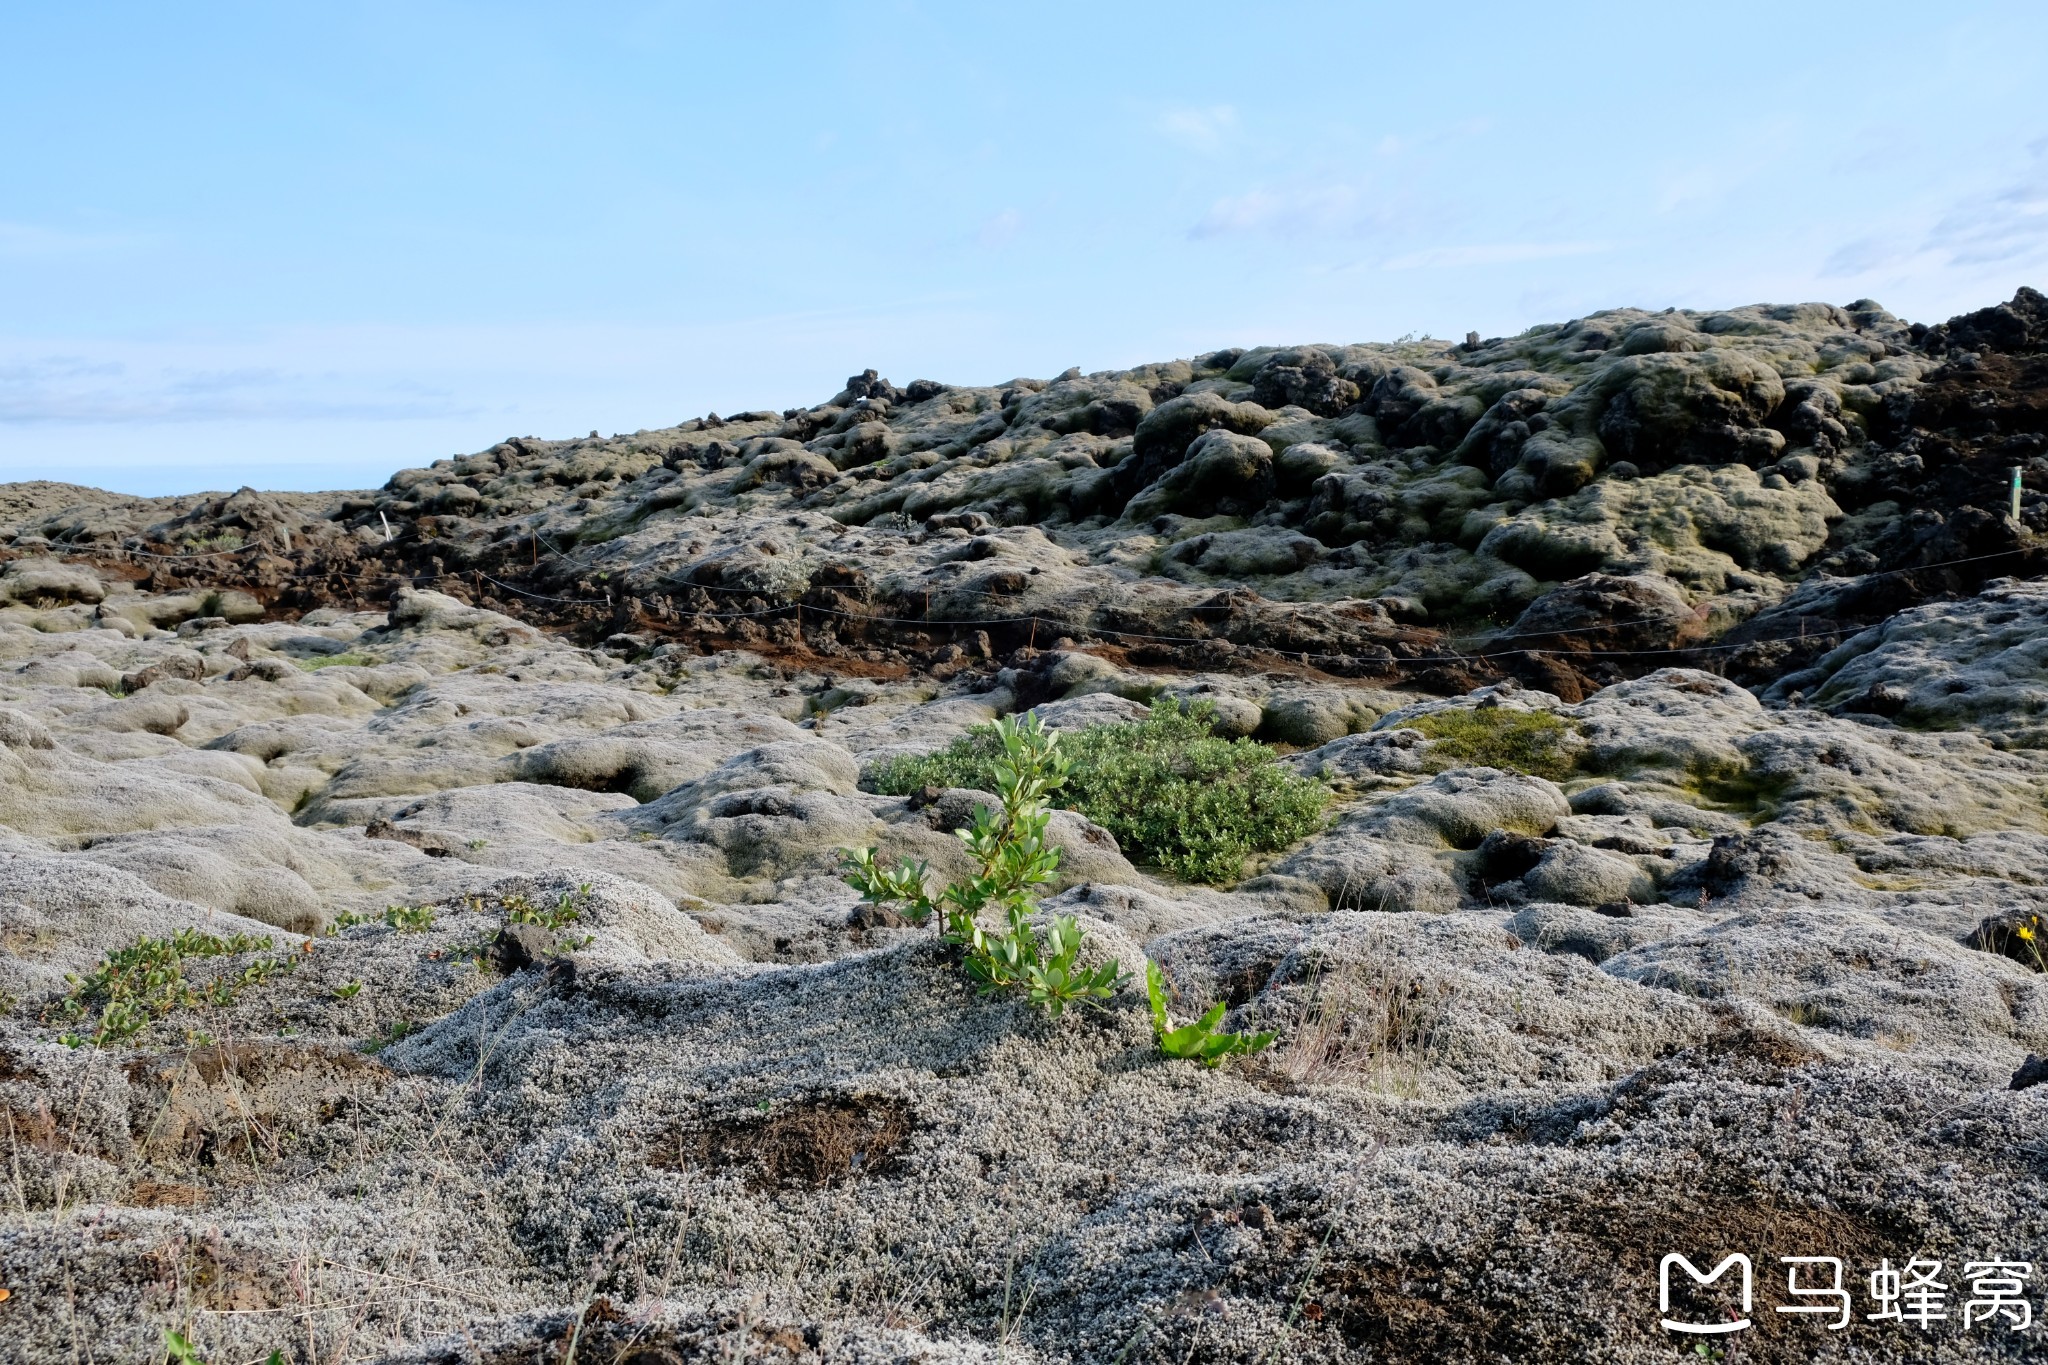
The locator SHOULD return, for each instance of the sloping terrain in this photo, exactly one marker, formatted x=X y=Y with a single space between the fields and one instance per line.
x=1678 y=684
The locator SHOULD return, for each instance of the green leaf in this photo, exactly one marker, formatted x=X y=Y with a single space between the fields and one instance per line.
x=1198 y=1041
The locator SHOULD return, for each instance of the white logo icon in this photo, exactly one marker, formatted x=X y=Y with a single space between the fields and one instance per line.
x=1699 y=1328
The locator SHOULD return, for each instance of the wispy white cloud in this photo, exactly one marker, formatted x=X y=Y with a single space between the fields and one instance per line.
x=35 y=241
x=1326 y=208
x=1431 y=139
x=1496 y=253
x=1864 y=256
x=2008 y=226
x=999 y=229
x=2005 y=226
x=1692 y=189
x=1203 y=129
x=69 y=388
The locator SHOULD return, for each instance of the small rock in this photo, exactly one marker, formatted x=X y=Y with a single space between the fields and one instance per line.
x=188 y=667
x=868 y=915
x=519 y=946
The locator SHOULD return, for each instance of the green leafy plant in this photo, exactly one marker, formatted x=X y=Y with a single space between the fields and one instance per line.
x=179 y=1351
x=1200 y=1040
x=567 y=910
x=1533 y=742
x=144 y=981
x=1013 y=859
x=349 y=991
x=406 y=919
x=1172 y=792
x=409 y=919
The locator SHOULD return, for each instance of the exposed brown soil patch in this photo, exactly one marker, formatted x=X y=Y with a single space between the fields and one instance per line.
x=1569 y=1259
x=245 y=1102
x=809 y=1144
x=165 y=1194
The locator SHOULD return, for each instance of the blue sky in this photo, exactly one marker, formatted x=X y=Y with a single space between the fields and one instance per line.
x=302 y=246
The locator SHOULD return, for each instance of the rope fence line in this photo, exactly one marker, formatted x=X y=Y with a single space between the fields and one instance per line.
x=207 y=554
x=1035 y=619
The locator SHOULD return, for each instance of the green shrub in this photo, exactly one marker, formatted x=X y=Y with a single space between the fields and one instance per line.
x=1533 y=742
x=136 y=985
x=1014 y=860
x=1172 y=792
x=406 y=919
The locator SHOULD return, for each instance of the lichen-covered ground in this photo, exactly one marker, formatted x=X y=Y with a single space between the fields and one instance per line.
x=1727 y=963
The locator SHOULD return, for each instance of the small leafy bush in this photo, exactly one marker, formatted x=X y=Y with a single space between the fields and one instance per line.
x=1200 y=1040
x=567 y=909
x=409 y=919
x=141 y=983
x=1014 y=860
x=406 y=919
x=1533 y=742
x=1172 y=792
x=556 y=918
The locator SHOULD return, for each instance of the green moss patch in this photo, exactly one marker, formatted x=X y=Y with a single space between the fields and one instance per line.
x=1533 y=742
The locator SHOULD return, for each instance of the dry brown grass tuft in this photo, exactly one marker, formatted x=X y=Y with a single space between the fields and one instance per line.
x=1372 y=1024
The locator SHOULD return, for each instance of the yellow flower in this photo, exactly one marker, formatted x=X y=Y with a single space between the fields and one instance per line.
x=2024 y=932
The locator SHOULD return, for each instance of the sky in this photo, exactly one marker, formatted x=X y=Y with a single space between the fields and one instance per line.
x=300 y=246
